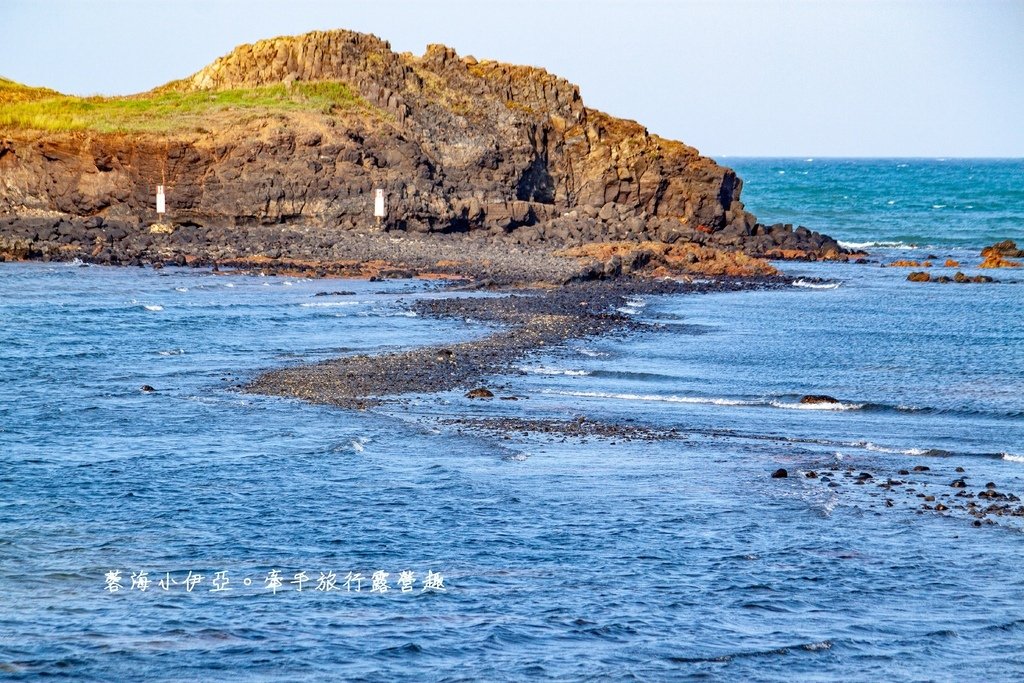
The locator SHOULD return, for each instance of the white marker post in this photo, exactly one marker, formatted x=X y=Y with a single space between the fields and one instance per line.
x=160 y=201
x=379 y=209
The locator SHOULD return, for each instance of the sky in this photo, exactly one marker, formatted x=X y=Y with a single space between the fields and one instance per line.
x=732 y=78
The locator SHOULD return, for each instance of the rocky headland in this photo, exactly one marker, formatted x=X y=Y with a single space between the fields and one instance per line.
x=271 y=156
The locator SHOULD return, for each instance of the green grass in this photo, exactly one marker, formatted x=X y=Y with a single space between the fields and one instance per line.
x=164 y=110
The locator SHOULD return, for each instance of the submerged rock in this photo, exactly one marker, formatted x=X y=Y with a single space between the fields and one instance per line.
x=480 y=392
x=780 y=474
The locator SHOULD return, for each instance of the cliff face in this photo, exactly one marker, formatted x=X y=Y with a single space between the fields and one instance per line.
x=457 y=144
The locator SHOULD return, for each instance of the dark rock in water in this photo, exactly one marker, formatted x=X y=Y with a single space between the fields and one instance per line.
x=958 y=483
x=811 y=475
x=921 y=468
x=342 y=293
x=919 y=276
x=780 y=474
x=146 y=389
x=990 y=485
x=939 y=507
x=865 y=475
x=904 y=472
x=818 y=398
x=480 y=392
x=960 y=469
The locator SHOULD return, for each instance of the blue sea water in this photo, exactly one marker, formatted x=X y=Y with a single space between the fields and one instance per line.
x=565 y=558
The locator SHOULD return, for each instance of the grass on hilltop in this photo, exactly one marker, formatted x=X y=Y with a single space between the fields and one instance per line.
x=163 y=110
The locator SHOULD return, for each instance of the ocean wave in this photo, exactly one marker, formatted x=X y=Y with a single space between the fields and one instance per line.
x=815 y=285
x=153 y=307
x=329 y=304
x=546 y=370
x=656 y=397
x=875 y=448
x=816 y=407
x=591 y=353
x=172 y=352
x=1011 y=457
x=876 y=245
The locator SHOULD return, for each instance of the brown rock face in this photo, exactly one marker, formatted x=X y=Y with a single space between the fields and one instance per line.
x=456 y=144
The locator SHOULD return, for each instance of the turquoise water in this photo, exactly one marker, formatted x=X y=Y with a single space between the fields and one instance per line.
x=570 y=559
x=892 y=202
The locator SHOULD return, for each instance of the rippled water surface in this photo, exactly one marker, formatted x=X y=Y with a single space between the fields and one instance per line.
x=561 y=557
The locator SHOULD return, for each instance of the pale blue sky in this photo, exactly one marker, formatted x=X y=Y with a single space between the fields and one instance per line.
x=741 y=77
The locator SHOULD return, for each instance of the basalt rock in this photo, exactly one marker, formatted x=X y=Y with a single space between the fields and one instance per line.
x=818 y=398
x=457 y=145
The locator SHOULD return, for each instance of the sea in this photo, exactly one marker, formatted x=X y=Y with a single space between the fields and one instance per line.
x=197 y=532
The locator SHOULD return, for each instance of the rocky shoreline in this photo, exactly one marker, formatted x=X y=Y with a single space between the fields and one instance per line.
x=527 y=321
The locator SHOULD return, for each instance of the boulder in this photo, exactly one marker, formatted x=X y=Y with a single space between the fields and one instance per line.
x=817 y=398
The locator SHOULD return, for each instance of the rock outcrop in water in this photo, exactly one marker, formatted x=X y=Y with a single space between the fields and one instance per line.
x=998 y=255
x=459 y=146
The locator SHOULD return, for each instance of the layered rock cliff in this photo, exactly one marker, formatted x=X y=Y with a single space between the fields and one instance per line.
x=458 y=145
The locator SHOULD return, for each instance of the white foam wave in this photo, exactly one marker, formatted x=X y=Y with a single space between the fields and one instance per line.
x=1012 y=458
x=877 y=245
x=868 y=446
x=153 y=307
x=636 y=303
x=545 y=370
x=815 y=285
x=288 y=284
x=816 y=406
x=229 y=284
x=655 y=397
x=591 y=353
x=627 y=310
x=181 y=289
x=172 y=352
x=938 y=206
x=329 y=304
x=702 y=400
